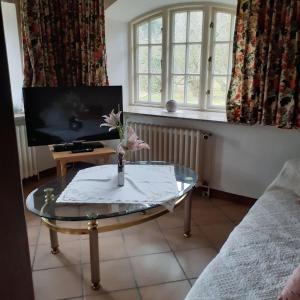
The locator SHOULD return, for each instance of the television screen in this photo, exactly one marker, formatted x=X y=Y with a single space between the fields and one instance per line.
x=58 y=115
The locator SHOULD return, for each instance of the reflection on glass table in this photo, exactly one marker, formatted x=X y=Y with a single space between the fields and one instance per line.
x=42 y=202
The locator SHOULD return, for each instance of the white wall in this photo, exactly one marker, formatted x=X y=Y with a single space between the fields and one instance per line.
x=246 y=159
x=117 y=50
x=44 y=158
x=126 y=10
x=13 y=53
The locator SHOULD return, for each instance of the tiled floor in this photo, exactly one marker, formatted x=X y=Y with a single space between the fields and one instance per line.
x=149 y=261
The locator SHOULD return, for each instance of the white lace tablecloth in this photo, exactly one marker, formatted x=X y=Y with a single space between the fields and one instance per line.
x=144 y=184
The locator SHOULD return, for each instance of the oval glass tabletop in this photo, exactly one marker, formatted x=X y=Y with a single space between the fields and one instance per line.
x=37 y=203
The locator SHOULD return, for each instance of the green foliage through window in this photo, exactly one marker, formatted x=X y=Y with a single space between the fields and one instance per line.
x=188 y=61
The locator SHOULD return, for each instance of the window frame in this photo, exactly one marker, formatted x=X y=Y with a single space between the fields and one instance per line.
x=211 y=48
x=133 y=91
x=167 y=13
x=136 y=58
x=187 y=43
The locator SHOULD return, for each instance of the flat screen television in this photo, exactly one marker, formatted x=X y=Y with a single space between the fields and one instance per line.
x=60 y=115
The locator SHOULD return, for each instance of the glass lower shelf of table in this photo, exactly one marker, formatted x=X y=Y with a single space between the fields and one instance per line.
x=42 y=202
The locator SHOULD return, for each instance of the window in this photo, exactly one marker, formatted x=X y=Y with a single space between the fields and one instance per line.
x=12 y=41
x=220 y=60
x=149 y=61
x=185 y=54
x=186 y=57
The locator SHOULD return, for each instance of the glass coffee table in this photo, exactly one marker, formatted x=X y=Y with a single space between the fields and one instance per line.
x=42 y=202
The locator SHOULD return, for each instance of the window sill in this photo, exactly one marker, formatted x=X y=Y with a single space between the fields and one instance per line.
x=180 y=114
x=161 y=112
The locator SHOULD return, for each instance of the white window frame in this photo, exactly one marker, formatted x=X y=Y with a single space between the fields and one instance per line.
x=167 y=17
x=212 y=43
x=136 y=58
x=187 y=43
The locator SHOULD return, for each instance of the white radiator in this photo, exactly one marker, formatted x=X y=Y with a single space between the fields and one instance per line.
x=187 y=147
x=27 y=155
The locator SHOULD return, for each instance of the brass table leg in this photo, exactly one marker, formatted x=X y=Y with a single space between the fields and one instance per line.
x=187 y=215
x=94 y=254
x=54 y=240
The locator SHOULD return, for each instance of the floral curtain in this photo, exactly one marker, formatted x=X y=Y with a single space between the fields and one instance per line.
x=265 y=84
x=64 y=42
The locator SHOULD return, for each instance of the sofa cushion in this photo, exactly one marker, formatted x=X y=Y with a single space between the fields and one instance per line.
x=262 y=251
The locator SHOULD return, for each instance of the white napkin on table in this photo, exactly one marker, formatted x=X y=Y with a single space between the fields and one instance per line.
x=144 y=184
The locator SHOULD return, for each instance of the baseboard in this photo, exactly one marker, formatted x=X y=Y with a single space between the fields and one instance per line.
x=42 y=174
x=52 y=171
x=229 y=196
x=47 y=172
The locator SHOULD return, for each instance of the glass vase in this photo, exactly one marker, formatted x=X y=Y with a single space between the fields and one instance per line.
x=121 y=169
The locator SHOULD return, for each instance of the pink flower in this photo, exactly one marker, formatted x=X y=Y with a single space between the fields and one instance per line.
x=131 y=142
x=112 y=120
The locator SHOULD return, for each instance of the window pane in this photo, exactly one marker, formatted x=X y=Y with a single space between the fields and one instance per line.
x=223 y=26
x=156 y=34
x=193 y=90
x=180 y=23
x=143 y=88
x=221 y=59
x=179 y=59
x=156 y=88
x=219 y=91
x=155 y=63
x=143 y=59
x=195 y=34
x=194 y=59
x=178 y=88
x=143 y=36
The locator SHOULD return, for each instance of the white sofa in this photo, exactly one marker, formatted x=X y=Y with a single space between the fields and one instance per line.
x=262 y=251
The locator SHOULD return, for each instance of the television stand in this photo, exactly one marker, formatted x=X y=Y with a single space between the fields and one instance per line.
x=76 y=146
x=62 y=158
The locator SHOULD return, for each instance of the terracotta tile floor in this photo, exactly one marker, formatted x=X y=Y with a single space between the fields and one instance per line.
x=149 y=261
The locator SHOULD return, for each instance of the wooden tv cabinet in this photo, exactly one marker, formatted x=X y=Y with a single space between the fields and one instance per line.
x=62 y=158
